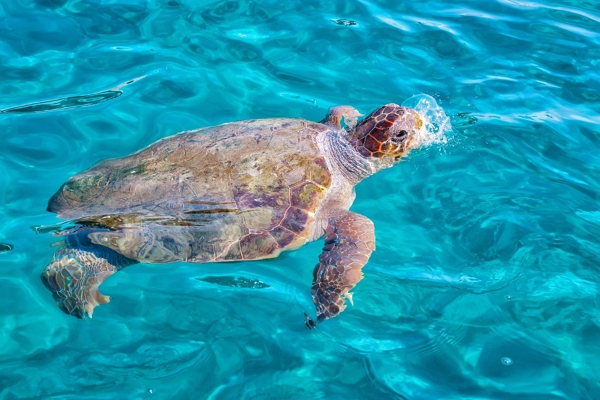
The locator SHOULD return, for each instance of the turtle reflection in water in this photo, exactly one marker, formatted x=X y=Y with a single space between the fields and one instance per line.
x=238 y=191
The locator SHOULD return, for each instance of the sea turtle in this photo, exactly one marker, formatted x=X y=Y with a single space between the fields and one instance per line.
x=239 y=191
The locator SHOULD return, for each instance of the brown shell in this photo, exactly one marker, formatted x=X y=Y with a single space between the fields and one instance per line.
x=237 y=191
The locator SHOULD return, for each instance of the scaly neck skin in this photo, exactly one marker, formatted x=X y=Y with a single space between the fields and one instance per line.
x=343 y=159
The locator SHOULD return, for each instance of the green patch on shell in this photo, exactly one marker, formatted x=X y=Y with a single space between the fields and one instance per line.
x=85 y=184
x=306 y=196
x=124 y=173
x=319 y=173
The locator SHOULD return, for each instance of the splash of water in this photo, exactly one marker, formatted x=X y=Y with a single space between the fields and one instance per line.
x=436 y=128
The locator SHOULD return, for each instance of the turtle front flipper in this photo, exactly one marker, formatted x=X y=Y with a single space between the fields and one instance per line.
x=348 y=114
x=74 y=275
x=349 y=242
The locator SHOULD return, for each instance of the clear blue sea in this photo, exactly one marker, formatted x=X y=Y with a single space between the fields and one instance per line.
x=485 y=282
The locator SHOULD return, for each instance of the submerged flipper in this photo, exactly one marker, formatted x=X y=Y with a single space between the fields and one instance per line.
x=349 y=242
x=77 y=270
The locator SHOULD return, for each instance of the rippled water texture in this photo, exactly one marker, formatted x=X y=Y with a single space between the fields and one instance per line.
x=485 y=279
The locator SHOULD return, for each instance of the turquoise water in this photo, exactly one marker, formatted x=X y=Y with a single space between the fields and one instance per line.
x=485 y=279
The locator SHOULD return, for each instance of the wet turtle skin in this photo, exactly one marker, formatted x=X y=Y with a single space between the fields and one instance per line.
x=238 y=191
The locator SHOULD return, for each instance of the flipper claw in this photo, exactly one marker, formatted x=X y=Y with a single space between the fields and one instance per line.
x=348 y=296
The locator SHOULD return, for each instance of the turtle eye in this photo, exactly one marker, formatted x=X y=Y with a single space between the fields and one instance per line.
x=401 y=134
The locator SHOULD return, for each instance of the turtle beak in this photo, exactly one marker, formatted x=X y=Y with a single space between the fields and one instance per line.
x=416 y=136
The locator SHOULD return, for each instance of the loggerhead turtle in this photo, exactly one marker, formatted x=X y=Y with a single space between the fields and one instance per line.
x=239 y=191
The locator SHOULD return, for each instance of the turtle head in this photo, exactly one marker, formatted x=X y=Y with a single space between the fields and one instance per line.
x=389 y=132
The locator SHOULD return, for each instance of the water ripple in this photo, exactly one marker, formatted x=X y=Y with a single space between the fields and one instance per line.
x=66 y=103
x=487 y=245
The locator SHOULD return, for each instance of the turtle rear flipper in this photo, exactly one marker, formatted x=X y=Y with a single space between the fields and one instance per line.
x=74 y=275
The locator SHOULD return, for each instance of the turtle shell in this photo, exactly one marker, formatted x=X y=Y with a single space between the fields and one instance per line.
x=238 y=191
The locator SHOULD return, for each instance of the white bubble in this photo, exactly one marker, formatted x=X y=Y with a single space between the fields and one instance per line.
x=436 y=124
x=506 y=361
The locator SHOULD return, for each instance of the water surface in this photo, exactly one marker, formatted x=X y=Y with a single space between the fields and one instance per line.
x=485 y=279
